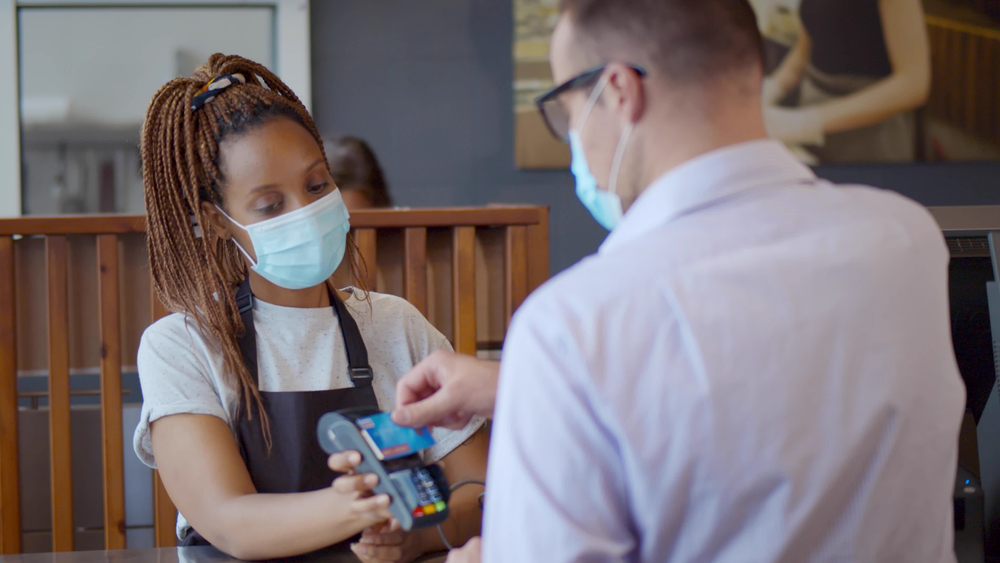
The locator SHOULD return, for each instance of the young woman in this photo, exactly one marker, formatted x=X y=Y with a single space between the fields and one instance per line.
x=245 y=227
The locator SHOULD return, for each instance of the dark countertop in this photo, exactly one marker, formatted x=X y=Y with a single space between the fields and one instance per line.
x=171 y=555
x=167 y=555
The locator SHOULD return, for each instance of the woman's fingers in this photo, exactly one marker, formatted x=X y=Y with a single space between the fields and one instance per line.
x=344 y=462
x=377 y=552
x=355 y=483
x=382 y=538
x=375 y=508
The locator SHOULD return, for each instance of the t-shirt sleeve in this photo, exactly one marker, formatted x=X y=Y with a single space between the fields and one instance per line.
x=175 y=379
x=422 y=338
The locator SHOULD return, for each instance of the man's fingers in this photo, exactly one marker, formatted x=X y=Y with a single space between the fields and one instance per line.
x=470 y=553
x=426 y=412
x=355 y=483
x=423 y=380
x=343 y=462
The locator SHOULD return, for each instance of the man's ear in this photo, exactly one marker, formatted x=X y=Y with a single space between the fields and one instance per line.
x=628 y=90
x=219 y=222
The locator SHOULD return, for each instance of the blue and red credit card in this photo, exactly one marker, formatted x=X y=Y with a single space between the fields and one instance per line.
x=389 y=440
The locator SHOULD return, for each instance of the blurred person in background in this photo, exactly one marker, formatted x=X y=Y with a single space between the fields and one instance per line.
x=359 y=177
x=358 y=174
x=861 y=67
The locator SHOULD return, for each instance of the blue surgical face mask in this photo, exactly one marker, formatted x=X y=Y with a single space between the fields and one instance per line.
x=604 y=206
x=301 y=248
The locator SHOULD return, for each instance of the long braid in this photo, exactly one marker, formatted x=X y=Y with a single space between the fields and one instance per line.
x=180 y=168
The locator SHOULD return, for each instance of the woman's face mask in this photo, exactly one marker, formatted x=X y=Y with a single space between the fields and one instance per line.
x=301 y=248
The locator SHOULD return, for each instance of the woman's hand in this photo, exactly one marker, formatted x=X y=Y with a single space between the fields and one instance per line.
x=801 y=126
x=471 y=553
x=387 y=543
x=356 y=490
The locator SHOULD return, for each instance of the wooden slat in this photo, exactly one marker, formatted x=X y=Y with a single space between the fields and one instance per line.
x=366 y=239
x=494 y=216
x=165 y=513
x=516 y=269
x=111 y=391
x=463 y=271
x=964 y=90
x=10 y=498
x=61 y=466
x=538 y=252
x=415 y=268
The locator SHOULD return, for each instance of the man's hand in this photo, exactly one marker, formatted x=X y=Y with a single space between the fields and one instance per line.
x=446 y=389
x=471 y=553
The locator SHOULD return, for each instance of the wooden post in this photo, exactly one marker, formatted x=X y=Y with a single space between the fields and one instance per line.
x=365 y=239
x=10 y=498
x=61 y=464
x=463 y=289
x=111 y=391
x=415 y=268
x=538 y=250
x=516 y=269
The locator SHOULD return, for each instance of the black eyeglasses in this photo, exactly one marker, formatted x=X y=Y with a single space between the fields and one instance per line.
x=555 y=115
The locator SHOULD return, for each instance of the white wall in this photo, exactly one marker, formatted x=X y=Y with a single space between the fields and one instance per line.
x=108 y=62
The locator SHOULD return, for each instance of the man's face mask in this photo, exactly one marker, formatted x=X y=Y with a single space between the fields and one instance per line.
x=604 y=206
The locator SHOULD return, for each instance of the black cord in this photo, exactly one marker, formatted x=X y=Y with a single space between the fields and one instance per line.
x=454 y=488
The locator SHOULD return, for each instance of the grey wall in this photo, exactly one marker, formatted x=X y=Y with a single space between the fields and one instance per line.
x=428 y=84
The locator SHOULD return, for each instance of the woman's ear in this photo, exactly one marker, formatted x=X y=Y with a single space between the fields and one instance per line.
x=219 y=222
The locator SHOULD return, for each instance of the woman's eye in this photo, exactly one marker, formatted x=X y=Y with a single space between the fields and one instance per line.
x=268 y=209
x=318 y=188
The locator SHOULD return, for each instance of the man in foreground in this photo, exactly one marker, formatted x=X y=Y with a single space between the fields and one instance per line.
x=756 y=365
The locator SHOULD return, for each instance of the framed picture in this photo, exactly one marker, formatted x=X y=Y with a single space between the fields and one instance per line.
x=847 y=81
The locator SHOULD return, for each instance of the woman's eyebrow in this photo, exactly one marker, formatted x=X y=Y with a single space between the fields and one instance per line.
x=263 y=187
x=319 y=161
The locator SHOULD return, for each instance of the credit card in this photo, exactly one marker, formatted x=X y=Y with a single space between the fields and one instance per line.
x=390 y=440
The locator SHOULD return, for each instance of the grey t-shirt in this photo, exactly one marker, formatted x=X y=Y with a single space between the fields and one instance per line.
x=297 y=350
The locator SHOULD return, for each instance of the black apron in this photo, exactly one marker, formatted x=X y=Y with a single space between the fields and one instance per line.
x=296 y=463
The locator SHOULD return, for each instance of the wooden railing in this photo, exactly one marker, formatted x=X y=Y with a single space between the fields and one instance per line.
x=965 y=88
x=466 y=269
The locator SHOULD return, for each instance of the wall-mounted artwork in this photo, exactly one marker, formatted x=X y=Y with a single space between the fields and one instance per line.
x=848 y=81
x=535 y=147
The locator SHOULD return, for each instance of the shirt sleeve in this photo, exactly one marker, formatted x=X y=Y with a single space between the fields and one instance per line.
x=422 y=338
x=556 y=488
x=175 y=379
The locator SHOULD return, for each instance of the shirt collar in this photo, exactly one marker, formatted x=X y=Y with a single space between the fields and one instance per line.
x=705 y=180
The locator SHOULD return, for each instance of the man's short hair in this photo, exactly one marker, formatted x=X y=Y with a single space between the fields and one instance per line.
x=686 y=40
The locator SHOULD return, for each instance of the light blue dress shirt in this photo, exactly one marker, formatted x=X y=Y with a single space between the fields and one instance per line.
x=756 y=366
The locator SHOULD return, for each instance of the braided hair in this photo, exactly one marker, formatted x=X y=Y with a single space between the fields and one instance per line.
x=196 y=273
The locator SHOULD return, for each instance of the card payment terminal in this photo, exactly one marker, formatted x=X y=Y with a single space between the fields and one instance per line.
x=419 y=492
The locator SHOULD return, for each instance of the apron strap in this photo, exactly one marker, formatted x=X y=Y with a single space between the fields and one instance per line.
x=357 y=354
x=248 y=340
